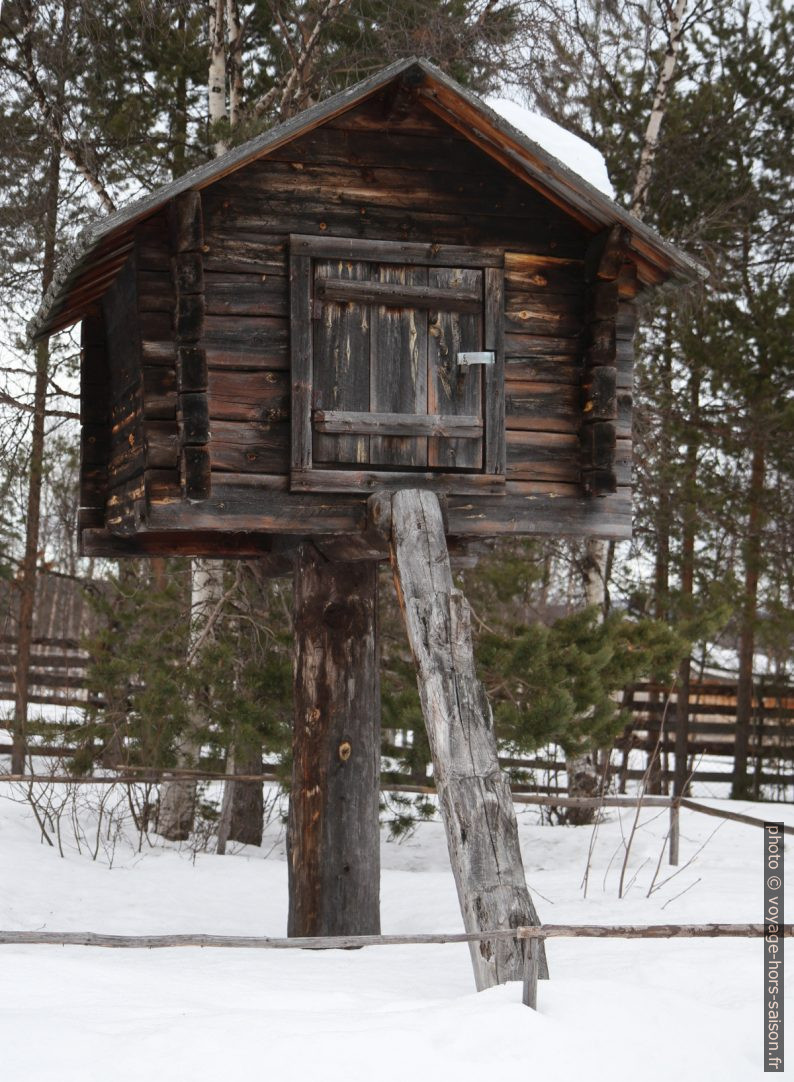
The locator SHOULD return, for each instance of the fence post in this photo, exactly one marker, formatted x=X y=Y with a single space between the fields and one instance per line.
x=675 y=808
x=531 y=961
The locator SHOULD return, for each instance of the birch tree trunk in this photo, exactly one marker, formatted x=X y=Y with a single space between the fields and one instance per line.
x=216 y=91
x=178 y=798
x=29 y=570
x=474 y=797
x=664 y=82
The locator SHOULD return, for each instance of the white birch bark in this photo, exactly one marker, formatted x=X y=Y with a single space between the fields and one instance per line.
x=234 y=41
x=650 y=143
x=178 y=798
x=216 y=90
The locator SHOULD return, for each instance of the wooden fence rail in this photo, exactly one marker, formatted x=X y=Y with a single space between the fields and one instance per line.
x=533 y=936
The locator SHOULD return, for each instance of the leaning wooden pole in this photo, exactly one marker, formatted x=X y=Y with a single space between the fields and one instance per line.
x=474 y=796
x=333 y=833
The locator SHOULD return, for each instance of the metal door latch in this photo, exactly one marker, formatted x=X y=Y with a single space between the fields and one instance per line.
x=464 y=360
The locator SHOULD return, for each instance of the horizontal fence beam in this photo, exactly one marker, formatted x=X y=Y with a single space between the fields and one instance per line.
x=153 y=777
x=344 y=942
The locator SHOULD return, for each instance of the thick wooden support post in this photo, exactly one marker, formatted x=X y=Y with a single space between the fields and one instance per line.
x=474 y=796
x=333 y=834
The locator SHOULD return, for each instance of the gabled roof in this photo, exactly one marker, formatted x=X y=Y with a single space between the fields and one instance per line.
x=101 y=249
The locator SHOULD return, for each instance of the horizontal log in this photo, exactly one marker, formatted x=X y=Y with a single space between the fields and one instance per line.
x=250 y=448
x=397 y=295
x=555 y=368
x=258 y=396
x=542 y=407
x=358 y=480
x=540 y=274
x=263 y=503
x=540 y=345
x=650 y=931
x=535 y=456
x=394 y=184
x=263 y=294
x=152 y=942
x=530 y=313
x=440 y=255
x=338 y=422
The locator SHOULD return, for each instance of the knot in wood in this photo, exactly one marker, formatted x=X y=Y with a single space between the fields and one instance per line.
x=345 y=750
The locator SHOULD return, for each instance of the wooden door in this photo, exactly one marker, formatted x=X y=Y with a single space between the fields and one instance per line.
x=381 y=383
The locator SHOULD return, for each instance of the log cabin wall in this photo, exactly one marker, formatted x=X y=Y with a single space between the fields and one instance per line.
x=385 y=171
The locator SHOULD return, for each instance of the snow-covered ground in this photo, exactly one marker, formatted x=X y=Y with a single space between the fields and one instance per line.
x=685 y=1011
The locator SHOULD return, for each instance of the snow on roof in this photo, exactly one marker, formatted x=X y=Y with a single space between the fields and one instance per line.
x=580 y=156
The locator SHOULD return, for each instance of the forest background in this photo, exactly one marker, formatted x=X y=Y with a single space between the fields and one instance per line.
x=689 y=103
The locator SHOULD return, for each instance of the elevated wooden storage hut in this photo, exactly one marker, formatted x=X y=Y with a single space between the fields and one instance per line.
x=294 y=352
x=395 y=287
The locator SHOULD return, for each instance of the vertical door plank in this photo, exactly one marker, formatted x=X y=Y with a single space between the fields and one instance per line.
x=494 y=413
x=452 y=390
x=398 y=369
x=341 y=361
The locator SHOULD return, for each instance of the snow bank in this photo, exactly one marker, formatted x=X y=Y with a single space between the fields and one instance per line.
x=576 y=153
x=614 y=1011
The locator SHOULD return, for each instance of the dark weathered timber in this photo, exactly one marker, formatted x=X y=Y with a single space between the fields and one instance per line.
x=439 y=255
x=599 y=392
x=333 y=834
x=263 y=503
x=398 y=296
x=186 y=224
x=196 y=472
x=495 y=404
x=600 y=400
x=192 y=371
x=542 y=407
x=301 y=359
x=356 y=480
x=398 y=424
x=249 y=396
x=450 y=388
x=474 y=796
x=398 y=369
x=94 y=413
x=126 y=449
x=341 y=376
x=194 y=418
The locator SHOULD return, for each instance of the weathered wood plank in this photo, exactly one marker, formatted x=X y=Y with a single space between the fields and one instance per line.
x=399 y=252
x=397 y=295
x=363 y=480
x=495 y=397
x=259 y=396
x=549 y=407
x=474 y=797
x=301 y=360
x=398 y=368
x=341 y=378
x=543 y=456
x=397 y=424
x=450 y=388
x=250 y=448
x=333 y=835
x=261 y=502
